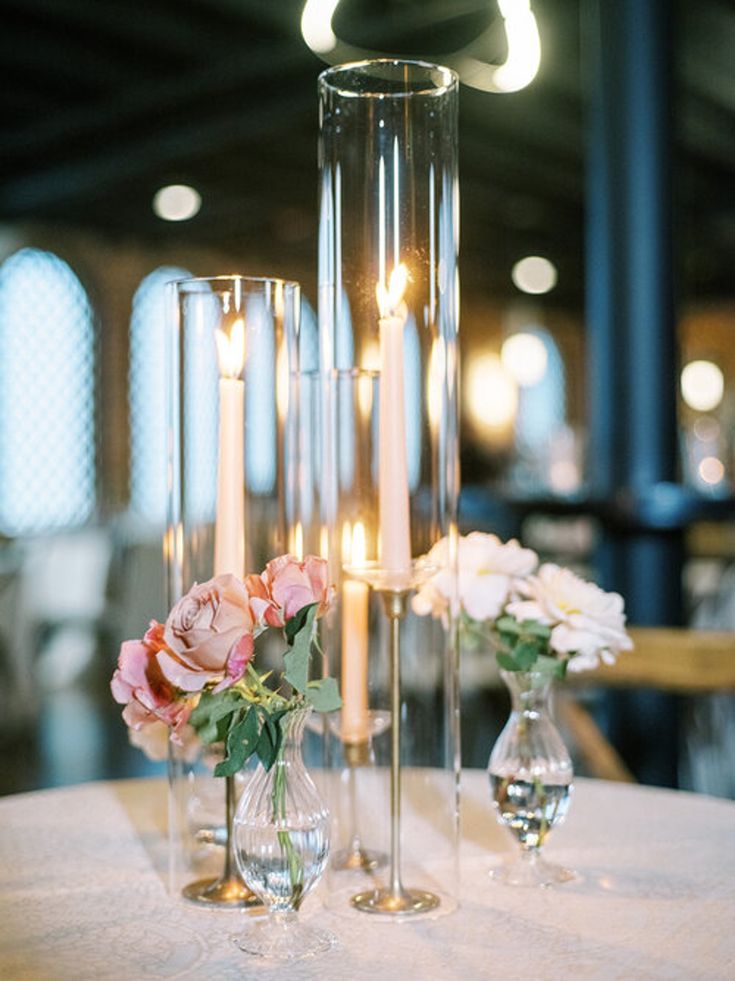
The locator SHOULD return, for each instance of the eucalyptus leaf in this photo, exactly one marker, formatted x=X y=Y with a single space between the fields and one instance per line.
x=508 y=624
x=242 y=740
x=324 y=695
x=525 y=654
x=297 y=659
x=296 y=623
x=506 y=662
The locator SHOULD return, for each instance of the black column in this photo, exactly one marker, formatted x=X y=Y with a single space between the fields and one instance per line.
x=632 y=364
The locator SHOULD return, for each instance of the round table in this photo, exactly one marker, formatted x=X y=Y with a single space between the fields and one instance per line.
x=83 y=895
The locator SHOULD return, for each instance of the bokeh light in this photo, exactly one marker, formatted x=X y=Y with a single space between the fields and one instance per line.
x=702 y=385
x=176 y=202
x=534 y=274
x=524 y=356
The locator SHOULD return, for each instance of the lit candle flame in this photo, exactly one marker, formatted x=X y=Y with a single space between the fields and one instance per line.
x=354 y=550
x=231 y=349
x=390 y=299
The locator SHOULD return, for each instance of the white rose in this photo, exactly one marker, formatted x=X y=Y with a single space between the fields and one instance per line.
x=588 y=623
x=487 y=573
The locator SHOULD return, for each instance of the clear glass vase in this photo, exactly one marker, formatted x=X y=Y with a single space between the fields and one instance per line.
x=531 y=776
x=282 y=833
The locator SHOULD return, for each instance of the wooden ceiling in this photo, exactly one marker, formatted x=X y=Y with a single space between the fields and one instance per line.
x=104 y=101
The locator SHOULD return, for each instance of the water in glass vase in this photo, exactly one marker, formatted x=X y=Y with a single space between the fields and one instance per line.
x=283 y=865
x=529 y=808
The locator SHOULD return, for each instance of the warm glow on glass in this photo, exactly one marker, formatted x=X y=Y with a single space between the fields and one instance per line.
x=436 y=381
x=282 y=382
x=324 y=542
x=371 y=355
x=296 y=541
x=711 y=470
x=534 y=274
x=389 y=299
x=176 y=202
x=492 y=394
x=702 y=385
x=231 y=349
x=524 y=356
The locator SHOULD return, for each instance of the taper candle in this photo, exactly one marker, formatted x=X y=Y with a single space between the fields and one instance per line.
x=355 y=600
x=395 y=527
x=229 y=536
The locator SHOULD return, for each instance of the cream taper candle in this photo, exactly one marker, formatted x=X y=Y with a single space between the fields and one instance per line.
x=229 y=537
x=395 y=524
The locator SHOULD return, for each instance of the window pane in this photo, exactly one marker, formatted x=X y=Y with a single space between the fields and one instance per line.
x=47 y=453
x=147 y=395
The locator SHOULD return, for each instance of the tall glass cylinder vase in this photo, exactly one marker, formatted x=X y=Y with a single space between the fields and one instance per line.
x=234 y=341
x=389 y=303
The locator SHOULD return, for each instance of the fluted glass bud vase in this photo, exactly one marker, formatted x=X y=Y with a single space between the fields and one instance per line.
x=281 y=832
x=531 y=776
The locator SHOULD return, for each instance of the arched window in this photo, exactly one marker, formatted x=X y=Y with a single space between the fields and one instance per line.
x=47 y=446
x=147 y=395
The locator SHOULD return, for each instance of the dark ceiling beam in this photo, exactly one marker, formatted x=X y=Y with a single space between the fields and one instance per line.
x=708 y=46
x=60 y=63
x=144 y=101
x=159 y=30
x=165 y=145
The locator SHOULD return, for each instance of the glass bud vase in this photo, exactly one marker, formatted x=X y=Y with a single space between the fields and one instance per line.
x=531 y=776
x=282 y=832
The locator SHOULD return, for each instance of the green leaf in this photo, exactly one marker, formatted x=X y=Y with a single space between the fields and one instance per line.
x=536 y=629
x=506 y=662
x=324 y=695
x=294 y=625
x=551 y=666
x=297 y=659
x=242 y=740
x=525 y=654
x=213 y=715
x=508 y=624
x=268 y=746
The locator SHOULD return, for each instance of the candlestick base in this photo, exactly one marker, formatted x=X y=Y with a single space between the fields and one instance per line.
x=400 y=902
x=227 y=891
x=359 y=859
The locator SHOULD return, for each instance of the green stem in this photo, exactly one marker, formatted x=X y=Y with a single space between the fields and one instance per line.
x=295 y=863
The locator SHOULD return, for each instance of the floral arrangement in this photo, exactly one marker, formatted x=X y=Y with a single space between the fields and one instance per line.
x=541 y=618
x=196 y=673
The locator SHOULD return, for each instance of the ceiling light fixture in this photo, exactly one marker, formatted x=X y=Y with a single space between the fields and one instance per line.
x=517 y=71
x=176 y=202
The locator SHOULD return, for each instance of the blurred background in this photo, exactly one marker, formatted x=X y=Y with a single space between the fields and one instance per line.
x=597 y=176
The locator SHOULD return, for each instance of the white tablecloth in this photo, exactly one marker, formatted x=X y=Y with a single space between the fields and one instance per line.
x=83 y=895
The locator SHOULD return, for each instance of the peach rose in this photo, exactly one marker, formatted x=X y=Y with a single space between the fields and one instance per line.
x=140 y=685
x=294 y=584
x=209 y=635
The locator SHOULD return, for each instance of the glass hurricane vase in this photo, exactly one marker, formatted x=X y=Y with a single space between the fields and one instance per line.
x=282 y=834
x=531 y=776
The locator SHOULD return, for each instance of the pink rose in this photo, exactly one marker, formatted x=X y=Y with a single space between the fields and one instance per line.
x=139 y=684
x=208 y=634
x=293 y=584
x=264 y=608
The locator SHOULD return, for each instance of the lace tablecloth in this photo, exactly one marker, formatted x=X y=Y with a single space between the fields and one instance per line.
x=82 y=895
